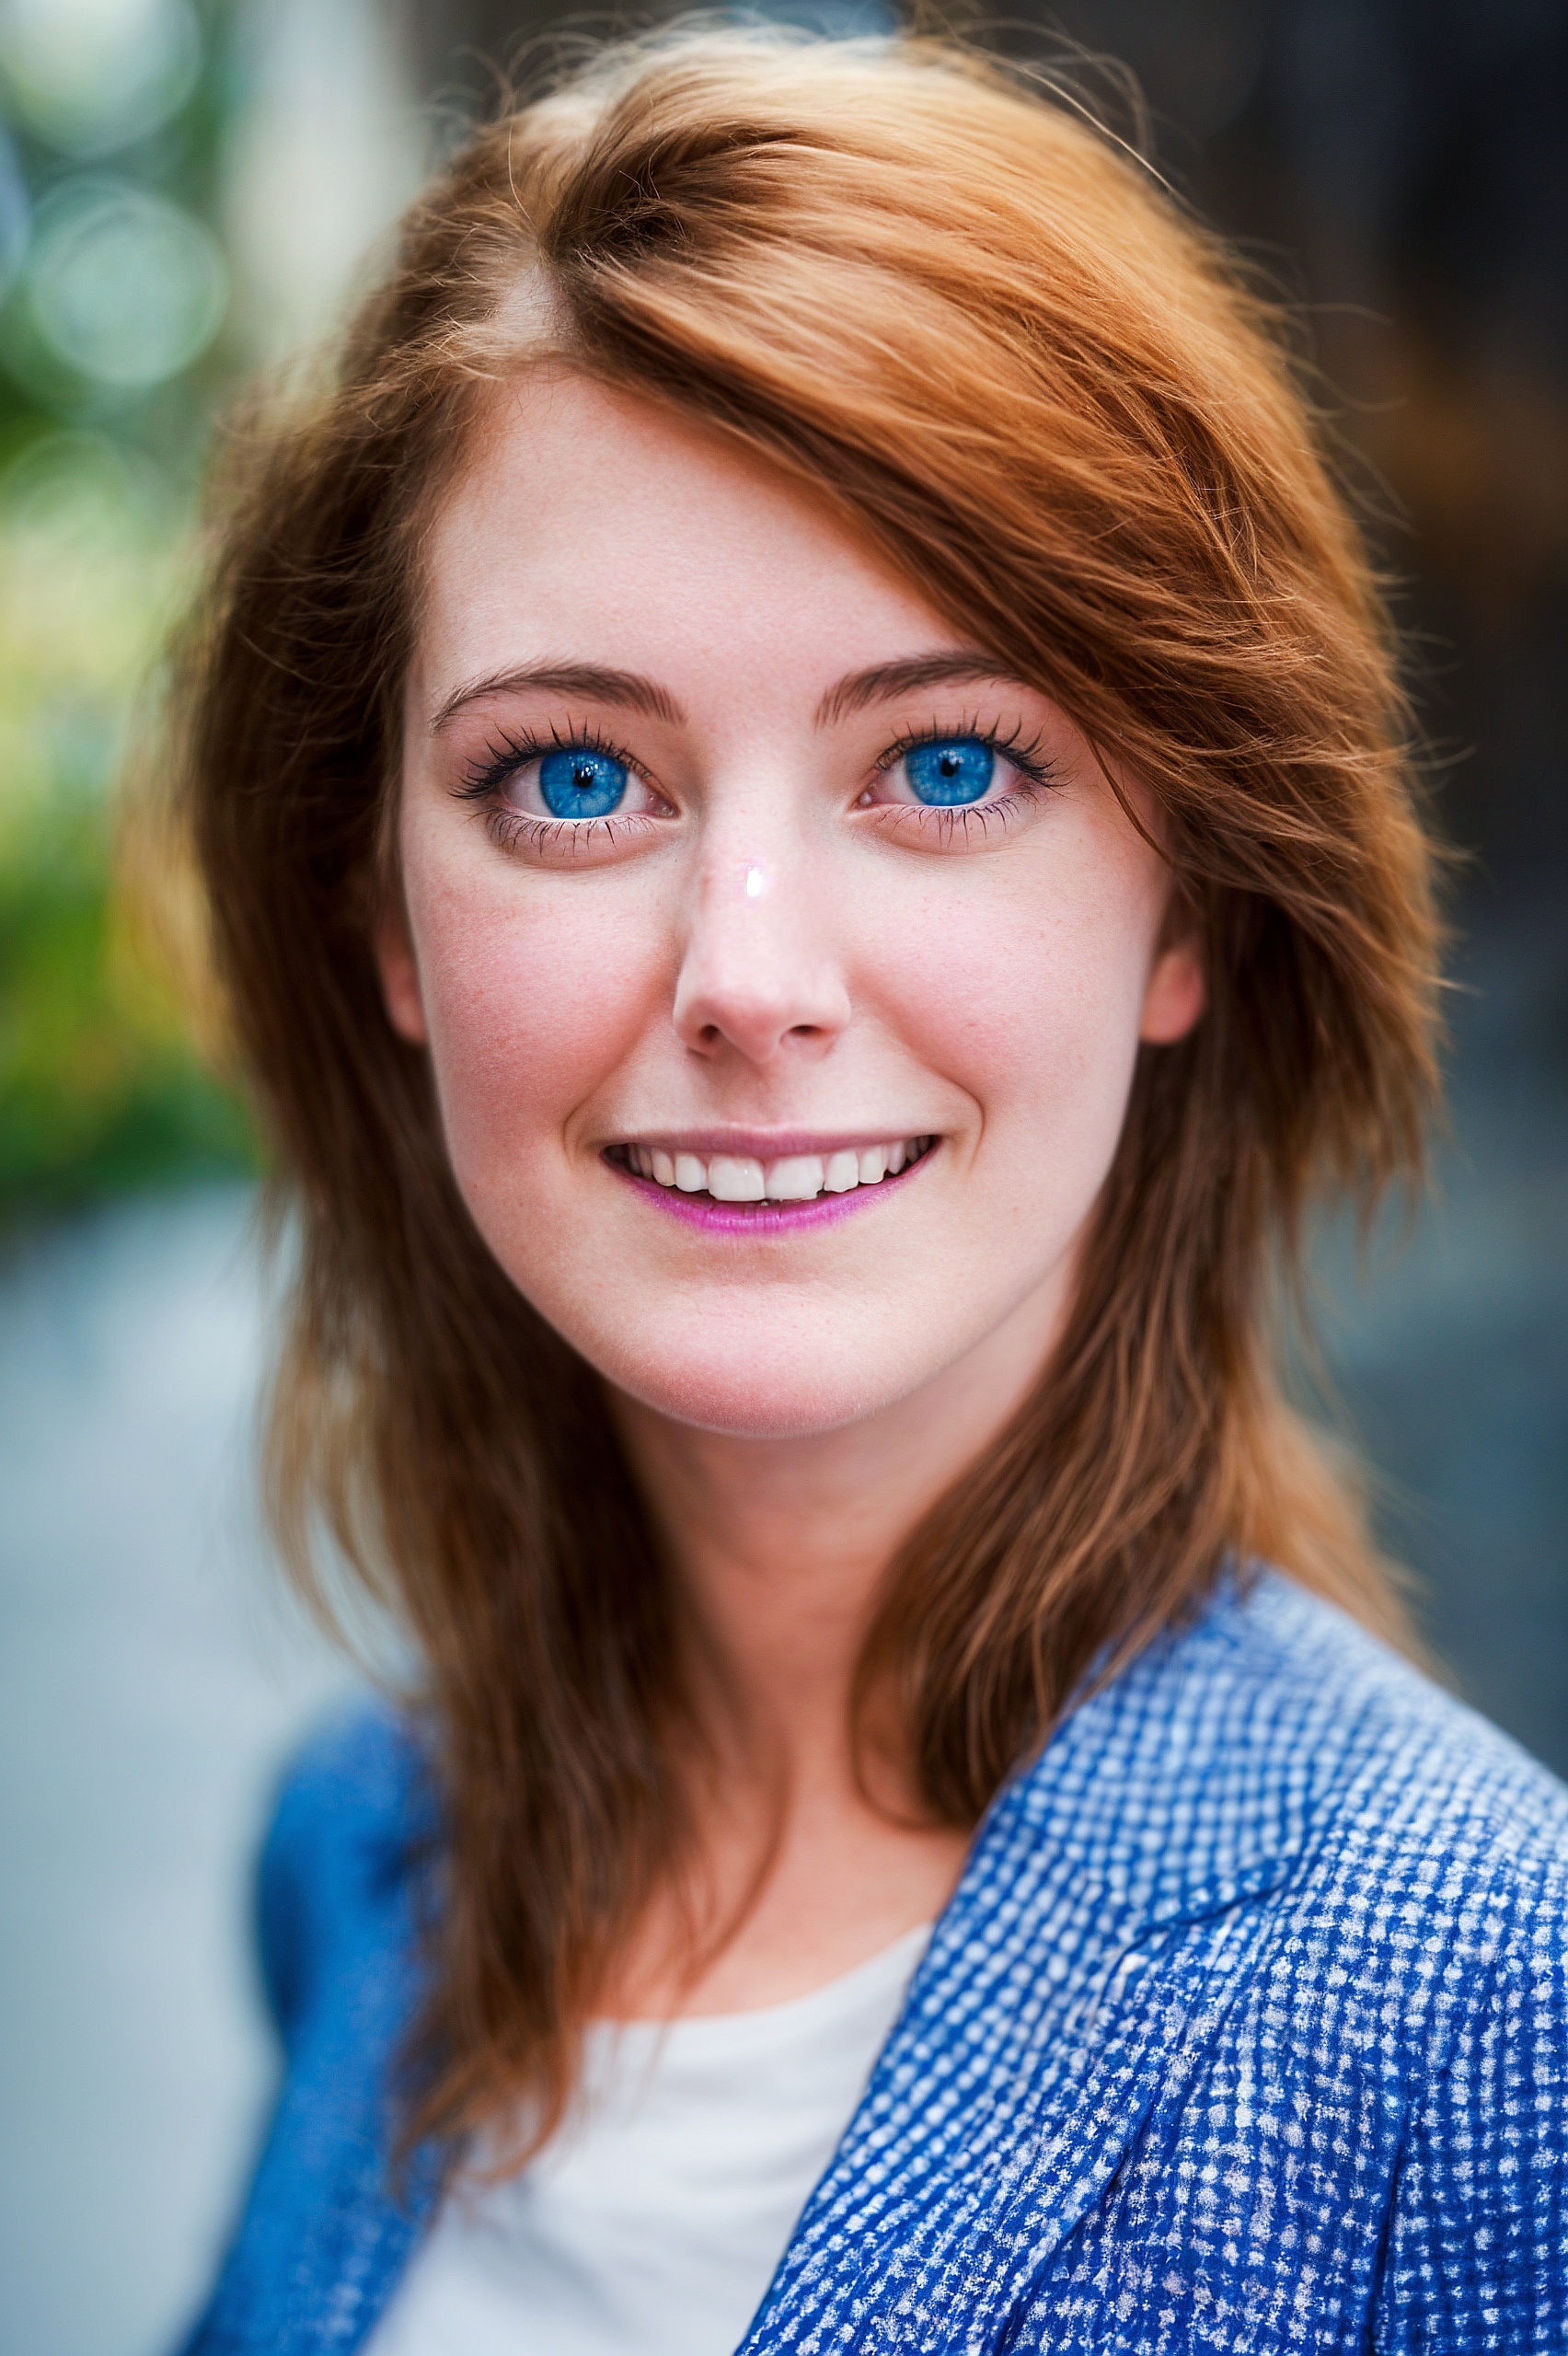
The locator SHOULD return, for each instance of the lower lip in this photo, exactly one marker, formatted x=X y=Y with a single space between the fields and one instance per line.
x=768 y=1218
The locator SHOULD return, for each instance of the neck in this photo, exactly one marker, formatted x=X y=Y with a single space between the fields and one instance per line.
x=808 y=1855
x=780 y=1546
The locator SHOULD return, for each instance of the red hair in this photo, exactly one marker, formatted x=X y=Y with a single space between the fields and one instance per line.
x=949 y=304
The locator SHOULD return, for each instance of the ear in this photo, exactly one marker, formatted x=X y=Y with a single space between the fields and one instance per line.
x=1176 y=995
x=399 y=974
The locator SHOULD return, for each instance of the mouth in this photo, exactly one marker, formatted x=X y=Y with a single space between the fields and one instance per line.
x=757 y=1185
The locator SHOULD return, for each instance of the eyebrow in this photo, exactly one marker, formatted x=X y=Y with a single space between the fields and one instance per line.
x=635 y=692
x=627 y=688
x=886 y=680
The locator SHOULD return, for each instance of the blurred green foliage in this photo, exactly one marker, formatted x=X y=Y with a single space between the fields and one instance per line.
x=112 y=349
x=100 y=1085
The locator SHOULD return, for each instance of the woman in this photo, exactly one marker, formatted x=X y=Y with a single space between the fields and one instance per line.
x=809 y=831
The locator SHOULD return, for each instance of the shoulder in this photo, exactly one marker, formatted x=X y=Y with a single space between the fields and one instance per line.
x=354 y=1813
x=1413 y=1860
x=1435 y=1856
x=1375 y=1769
x=1384 y=1758
x=1272 y=1749
x=322 y=2239
x=1420 y=1952
x=1359 y=1890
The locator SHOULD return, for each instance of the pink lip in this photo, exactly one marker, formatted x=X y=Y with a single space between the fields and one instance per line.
x=764 y=1218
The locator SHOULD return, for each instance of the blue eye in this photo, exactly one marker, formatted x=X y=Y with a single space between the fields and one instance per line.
x=581 y=783
x=951 y=770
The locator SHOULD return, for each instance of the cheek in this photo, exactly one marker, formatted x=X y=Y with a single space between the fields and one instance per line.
x=531 y=1000
x=1030 y=1001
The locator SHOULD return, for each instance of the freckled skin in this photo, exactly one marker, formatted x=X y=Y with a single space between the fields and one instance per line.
x=991 y=992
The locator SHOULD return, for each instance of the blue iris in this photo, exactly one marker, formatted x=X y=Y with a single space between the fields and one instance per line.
x=951 y=770
x=579 y=783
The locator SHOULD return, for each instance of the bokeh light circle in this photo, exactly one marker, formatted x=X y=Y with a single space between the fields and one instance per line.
x=125 y=288
x=91 y=76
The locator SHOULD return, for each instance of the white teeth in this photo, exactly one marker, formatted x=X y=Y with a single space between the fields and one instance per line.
x=794 y=1178
x=735 y=1178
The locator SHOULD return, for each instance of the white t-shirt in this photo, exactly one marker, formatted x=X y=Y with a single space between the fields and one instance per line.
x=651 y=2223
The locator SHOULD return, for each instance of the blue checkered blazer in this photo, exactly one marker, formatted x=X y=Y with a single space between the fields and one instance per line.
x=1246 y=2030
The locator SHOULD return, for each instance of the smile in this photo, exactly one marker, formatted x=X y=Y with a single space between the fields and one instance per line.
x=739 y=1178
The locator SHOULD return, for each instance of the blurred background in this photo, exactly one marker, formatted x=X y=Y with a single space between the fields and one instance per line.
x=188 y=188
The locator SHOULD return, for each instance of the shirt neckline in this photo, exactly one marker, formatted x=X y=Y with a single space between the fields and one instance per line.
x=889 y=1967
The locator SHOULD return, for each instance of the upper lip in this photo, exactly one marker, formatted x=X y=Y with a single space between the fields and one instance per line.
x=768 y=1145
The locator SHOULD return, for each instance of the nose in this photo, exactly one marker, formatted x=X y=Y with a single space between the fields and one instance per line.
x=757 y=976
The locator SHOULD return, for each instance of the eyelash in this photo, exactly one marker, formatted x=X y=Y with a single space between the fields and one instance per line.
x=484 y=778
x=501 y=760
x=1017 y=745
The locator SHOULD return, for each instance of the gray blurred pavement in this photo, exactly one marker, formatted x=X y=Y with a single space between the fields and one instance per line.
x=150 y=1678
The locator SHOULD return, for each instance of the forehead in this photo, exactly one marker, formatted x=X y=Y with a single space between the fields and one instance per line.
x=591 y=524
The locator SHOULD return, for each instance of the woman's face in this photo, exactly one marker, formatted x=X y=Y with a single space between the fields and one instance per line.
x=781 y=960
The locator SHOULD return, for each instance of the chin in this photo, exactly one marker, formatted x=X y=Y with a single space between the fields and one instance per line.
x=769 y=1388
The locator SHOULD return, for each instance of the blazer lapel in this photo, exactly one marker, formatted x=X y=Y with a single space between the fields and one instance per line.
x=1082 y=1966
